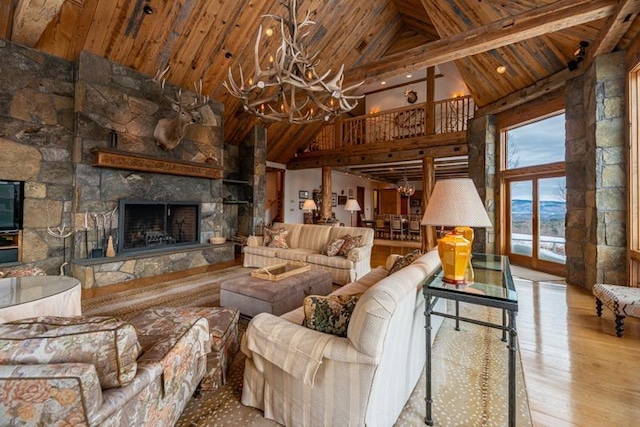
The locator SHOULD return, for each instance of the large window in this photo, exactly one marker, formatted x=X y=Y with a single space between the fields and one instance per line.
x=535 y=187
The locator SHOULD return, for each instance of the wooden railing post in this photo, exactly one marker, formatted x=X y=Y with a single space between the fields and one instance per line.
x=431 y=106
x=337 y=143
x=326 y=192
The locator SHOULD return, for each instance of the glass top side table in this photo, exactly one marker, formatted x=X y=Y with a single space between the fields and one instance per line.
x=492 y=287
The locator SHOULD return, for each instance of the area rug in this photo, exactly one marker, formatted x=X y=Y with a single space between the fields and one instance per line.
x=200 y=290
x=470 y=384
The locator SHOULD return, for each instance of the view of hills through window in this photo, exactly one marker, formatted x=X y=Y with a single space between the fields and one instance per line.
x=534 y=144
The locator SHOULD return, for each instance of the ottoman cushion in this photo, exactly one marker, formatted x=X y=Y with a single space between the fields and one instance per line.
x=253 y=295
x=622 y=300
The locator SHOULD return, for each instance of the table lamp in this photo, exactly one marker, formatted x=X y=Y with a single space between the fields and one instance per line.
x=456 y=203
x=309 y=205
x=352 y=205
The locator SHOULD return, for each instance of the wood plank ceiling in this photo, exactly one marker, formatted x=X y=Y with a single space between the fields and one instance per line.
x=202 y=39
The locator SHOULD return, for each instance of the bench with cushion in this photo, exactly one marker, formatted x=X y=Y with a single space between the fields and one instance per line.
x=622 y=300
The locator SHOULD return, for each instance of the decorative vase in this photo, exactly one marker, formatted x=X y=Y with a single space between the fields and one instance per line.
x=110 y=250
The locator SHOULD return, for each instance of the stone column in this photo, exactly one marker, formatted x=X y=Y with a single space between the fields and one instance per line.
x=253 y=168
x=596 y=179
x=482 y=141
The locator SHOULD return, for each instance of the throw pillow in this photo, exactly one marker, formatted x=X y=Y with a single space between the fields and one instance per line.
x=329 y=314
x=333 y=247
x=403 y=261
x=268 y=235
x=350 y=242
x=279 y=239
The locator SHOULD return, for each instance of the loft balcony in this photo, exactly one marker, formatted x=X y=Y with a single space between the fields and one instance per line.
x=438 y=123
x=435 y=129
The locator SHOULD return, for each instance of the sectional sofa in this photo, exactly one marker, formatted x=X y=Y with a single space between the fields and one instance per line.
x=300 y=376
x=307 y=242
x=101 y=371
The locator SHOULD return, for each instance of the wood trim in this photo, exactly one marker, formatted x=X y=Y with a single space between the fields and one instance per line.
x=551 y=169
x=121 y=160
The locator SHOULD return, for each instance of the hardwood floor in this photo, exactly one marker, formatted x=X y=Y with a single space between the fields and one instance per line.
x=577 y=372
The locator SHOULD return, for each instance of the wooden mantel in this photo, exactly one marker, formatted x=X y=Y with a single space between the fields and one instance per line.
x=117 y=159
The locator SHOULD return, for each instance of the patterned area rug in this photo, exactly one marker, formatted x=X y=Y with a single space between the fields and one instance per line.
x=200 y=290
x=470 y=365
x=469 y=384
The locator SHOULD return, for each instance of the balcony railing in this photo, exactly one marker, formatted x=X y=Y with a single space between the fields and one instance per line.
x=445 y=116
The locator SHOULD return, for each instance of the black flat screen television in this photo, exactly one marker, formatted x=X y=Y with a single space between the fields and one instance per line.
x=11 y=203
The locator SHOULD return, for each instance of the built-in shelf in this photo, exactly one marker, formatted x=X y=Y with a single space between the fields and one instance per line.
x=235 y=181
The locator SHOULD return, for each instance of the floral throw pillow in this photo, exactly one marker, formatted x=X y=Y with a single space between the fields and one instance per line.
x=279 y=239
x=403 y=261
x=350 y=242
x=333 y=247
x=329 y=314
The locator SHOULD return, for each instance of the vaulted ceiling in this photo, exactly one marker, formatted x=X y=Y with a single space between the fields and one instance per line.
x=375 y=39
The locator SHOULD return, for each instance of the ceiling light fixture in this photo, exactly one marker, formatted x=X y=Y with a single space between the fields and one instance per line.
x=501 y=69
x=147 y=10
x=290 y=88
x=405 y=189
x=383 y=83
x=579 y=55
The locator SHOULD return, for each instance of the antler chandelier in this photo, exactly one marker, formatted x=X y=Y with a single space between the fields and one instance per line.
x=290 y=88
x=405 y=189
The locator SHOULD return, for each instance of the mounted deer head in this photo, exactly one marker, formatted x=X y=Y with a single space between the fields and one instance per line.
x=169 y=132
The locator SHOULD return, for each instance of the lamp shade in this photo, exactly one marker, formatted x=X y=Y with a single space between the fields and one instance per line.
x=352 y=205
x=455 y=202
x=309 y=205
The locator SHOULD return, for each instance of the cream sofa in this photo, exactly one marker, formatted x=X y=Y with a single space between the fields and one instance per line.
x=302 y=377
x=306 y=243
x=101 y=371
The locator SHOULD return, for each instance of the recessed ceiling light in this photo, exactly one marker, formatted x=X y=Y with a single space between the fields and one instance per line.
x=501 y=69
x=269 y=32
x=147 y=10
x=383 y=82
x=409 y=76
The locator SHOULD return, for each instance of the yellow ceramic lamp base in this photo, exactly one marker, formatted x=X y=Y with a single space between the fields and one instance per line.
x=455 y=253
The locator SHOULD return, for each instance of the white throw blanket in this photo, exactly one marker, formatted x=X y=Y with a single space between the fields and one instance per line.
x=293 y=348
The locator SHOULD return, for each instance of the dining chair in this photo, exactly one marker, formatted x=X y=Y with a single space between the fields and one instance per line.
x=414 y=227
x=396 y=227
x=380 y=227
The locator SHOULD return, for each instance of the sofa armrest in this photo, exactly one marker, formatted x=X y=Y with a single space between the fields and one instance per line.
x=43 y=394
x=255 y=241
x=295 y=349
x=361 y=253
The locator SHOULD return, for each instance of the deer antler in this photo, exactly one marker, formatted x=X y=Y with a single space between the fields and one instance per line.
x=290 y=88
x=169 y=132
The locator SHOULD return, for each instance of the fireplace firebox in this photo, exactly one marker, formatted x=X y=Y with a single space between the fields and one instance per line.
x=145 y=225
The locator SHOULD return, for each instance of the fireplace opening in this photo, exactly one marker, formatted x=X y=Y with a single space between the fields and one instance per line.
x=150 y=224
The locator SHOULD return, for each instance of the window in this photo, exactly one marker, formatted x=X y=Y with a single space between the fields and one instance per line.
x=535 y=194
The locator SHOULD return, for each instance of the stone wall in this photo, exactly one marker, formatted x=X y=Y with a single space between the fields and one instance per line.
x=482 y=141
x=110 y=96
x=52 y=115
x=36 y=146
x=596 y=174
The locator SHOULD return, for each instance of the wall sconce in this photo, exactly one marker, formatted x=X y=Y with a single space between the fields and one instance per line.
x=113 y=139
x=579 y=55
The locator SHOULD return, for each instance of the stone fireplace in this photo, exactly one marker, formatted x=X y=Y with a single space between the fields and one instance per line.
x=148 y=225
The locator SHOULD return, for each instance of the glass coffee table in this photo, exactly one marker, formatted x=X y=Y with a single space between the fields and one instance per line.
x=33 y=296
x=492 y=287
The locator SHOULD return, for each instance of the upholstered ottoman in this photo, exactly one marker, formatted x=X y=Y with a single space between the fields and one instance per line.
x=223 y=330
x=622 y=300
x=253 y=295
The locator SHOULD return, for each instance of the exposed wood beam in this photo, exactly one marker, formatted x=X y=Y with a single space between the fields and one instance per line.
x=608 y=38
x=436 y=146
x=530 y=93
x=616 y=26
x=536 y=22
x=6 y=18
x=31 y=17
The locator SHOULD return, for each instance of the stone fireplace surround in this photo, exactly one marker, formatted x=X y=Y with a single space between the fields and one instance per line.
x=56 y=114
